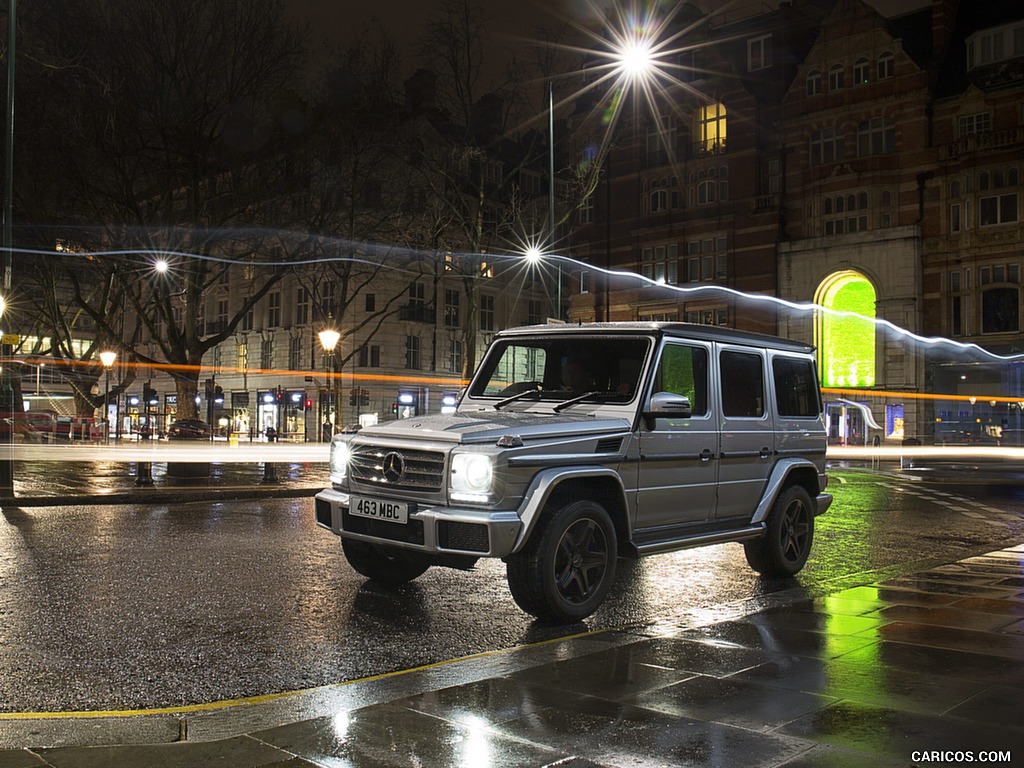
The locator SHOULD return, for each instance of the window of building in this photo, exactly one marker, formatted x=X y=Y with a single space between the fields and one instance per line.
x=486 y=312
x=243 y=357
x=876 y=136
x=412 y=353
x=861 y=71
x=997 y=208
x=814 y=82
x=711 y=128
x=707 y=259
x=886 y=65
x=533 y=312
x=327 y=298
x=274 y=309
x=844 y=213
x=1000 y=310
x=836 y=77
x=295 y=353
x=660 y=263
x=301 y=306
x=826 y=146
x=585 y=281
x=759 y=53
x=454 y=356
x=968 y=125
x=369 y=356
x=267 y=354
x=708 y=316
x=660 y=141
x=248 y=319
x=452 y=315
x=587 y=210
x=370 y=302
x=955 y=207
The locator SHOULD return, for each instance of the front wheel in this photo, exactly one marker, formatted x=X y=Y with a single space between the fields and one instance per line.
x=567 y=567
x=384 y=564
x=784 y=548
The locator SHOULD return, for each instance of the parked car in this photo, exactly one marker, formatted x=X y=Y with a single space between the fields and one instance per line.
x=577 y=445
x=189 y=429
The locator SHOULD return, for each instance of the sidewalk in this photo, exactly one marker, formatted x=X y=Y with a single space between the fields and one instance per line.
x=44 y=483
x=883 y=669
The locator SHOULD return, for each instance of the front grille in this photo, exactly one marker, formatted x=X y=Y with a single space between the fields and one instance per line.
x=421 y=470
x=410 y=533
x=466 y=537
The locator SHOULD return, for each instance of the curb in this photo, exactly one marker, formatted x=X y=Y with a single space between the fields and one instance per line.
x=164 y=495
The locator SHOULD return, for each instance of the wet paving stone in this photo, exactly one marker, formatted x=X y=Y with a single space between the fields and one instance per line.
x=904 y=596
x=778 y=640
x=998 y=705
x=954 y=639
x=867 y=682
x=897 y=734
x=947 y=588
x=942 y=662
x=988 y=605
x=945 y=617
x=734 y=702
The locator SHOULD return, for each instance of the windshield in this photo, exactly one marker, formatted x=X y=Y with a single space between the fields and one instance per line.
x=562 y=367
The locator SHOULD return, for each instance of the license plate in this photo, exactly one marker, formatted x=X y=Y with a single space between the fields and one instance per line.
x=379 y=509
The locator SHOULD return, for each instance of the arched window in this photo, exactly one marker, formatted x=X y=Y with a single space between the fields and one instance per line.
x=813 y=82
x=861 y=71
x=845 y=330
x=885 y=65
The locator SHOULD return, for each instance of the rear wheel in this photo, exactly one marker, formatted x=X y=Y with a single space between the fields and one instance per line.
x=387 y=565
x=568 y=566
x=785 y=547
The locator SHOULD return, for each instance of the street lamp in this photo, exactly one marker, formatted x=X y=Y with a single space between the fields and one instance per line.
x=329 y=340
x=107 y=358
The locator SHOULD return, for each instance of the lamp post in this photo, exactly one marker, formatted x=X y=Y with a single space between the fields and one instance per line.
x=107 y=358
x=329 y=340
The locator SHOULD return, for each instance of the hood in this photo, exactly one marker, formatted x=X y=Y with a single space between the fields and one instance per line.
x=488 y=426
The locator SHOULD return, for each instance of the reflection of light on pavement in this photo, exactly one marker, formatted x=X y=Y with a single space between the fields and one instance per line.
x=866 y=453
x=182 y=452
x=476 y=749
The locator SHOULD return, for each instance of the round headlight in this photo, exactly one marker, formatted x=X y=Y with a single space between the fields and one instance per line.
x=341 y=454
x=479 y=473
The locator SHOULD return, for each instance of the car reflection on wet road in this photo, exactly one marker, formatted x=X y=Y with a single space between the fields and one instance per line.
x=137 y=607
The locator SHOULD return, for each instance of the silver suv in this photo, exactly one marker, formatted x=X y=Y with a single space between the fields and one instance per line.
x=577 y=445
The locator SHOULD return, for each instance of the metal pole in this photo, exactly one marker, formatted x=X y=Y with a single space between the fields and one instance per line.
x=551 y=192
x=106 y=409
x=6 y=462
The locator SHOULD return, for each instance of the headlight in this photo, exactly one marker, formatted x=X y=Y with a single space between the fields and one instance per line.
x=472 y=476
x=341 y=454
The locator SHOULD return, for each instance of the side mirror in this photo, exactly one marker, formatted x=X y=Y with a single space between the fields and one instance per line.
x=665 y=405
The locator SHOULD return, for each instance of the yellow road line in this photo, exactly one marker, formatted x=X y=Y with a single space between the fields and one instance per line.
x=271 y=697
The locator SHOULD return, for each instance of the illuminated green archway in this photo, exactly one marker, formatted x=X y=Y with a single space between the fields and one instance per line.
x=846 y=344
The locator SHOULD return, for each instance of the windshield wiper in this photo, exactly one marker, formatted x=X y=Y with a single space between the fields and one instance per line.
x=586 y=396
x=518 y=396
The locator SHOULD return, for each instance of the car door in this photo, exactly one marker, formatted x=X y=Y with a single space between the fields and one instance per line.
x=678 y=455
x=747 y=447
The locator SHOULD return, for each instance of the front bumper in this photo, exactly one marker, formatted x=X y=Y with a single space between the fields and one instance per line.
x=431 y=529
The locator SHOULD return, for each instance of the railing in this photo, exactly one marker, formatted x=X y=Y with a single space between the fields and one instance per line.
x=982 y=141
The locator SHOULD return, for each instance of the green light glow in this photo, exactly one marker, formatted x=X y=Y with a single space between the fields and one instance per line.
x=847 y=344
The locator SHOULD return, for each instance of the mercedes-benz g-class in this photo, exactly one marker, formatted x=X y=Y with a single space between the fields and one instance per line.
x=574 y=446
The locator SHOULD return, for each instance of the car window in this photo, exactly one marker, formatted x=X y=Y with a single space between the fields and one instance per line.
x=683 y=370
x=742 y=384
x=796 y=388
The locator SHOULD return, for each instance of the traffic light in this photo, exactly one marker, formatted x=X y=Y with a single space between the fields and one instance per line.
x=218 y=394
x=364 y=397
x=309 y=403
x=149 y=396
x=208 y=388
x=394 y=409
x=353 y=397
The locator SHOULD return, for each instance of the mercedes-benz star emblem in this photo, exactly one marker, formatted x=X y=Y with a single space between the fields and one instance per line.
x=393 y=467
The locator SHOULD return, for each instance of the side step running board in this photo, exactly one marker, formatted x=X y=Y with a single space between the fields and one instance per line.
x=700 y=540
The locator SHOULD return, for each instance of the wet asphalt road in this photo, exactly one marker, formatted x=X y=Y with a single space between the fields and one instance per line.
x=138 y=607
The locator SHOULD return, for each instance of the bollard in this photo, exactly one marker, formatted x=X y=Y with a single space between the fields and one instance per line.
x=269 y=473
x=143 y=473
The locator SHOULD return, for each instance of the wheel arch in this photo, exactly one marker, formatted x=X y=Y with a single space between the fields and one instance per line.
x=555 y=488
x=786 y=473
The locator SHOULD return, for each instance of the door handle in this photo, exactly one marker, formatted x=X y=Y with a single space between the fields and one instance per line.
x=765 y=453
x=706 y=455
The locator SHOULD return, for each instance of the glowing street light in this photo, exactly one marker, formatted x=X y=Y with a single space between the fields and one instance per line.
x=329 y=340
x=108 y=359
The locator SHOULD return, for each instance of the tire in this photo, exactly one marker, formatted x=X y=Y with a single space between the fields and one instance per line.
x=784 y=549
x=383 y=564
x=567 y=567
